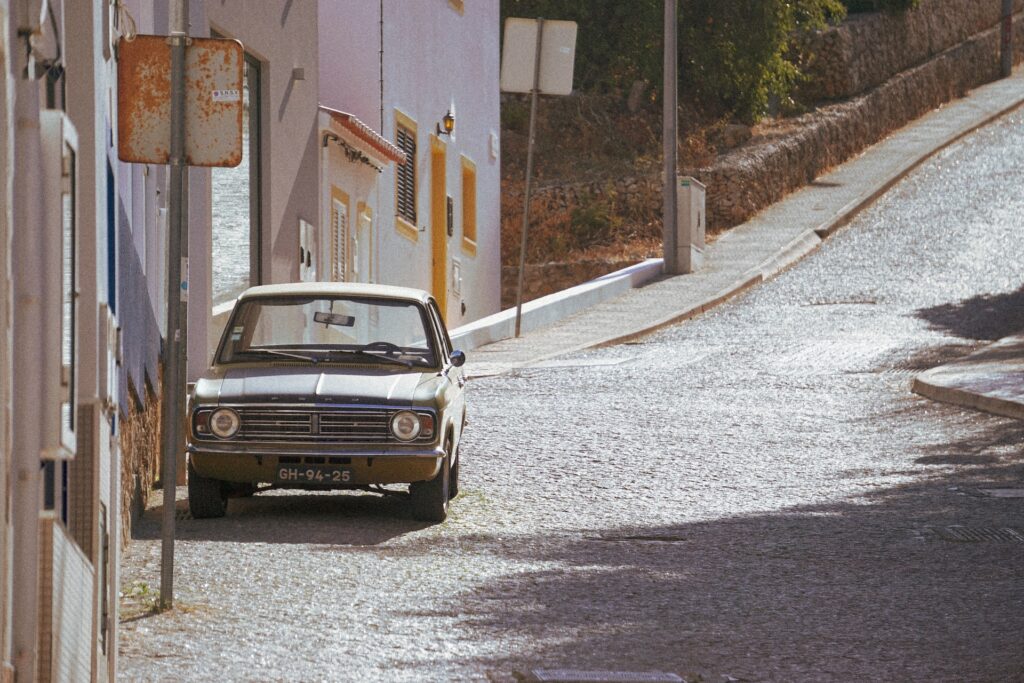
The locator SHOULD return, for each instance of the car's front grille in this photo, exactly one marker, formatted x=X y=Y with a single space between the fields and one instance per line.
x=325 y=425
x=264 y=423
x=355 y=425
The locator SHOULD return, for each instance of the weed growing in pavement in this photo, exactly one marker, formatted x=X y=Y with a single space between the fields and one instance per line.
x=139 y=601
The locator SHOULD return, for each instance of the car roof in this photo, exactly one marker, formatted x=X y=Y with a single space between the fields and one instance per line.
x=337 y=289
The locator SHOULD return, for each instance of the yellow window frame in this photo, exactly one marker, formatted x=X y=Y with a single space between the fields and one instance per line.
x=469 y=218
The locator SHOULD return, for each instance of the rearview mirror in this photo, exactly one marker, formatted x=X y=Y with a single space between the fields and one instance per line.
x=334 y=319
x=458 y=358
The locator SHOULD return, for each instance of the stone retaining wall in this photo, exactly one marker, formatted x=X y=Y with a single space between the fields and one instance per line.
x=868 y=49
x=753 y=176
x=749 y=178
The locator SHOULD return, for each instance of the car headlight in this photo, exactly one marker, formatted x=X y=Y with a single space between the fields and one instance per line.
x=224 y=423
x=405 y=425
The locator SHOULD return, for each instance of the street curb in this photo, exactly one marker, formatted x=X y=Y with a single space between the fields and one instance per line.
x=676 y=317
x=987 y=380
x=846 y=214
x=801 y=246
x=964 y=398
x=784 y=258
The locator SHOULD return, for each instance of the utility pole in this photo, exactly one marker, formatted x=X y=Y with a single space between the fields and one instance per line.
x=30 y=299
x=173 y=388
x=1006 y=40
x=670 y=115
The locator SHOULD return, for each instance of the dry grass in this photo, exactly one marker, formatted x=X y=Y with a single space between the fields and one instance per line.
x=590 y=139
x=140 y=451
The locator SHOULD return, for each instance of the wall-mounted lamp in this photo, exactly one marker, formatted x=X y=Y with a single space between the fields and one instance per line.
x=447 y=124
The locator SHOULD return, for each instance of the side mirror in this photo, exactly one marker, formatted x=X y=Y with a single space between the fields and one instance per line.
x=458 y=358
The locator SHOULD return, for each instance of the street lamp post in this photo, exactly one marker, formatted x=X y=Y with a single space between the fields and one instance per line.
x=670 y=114
x=1006 y=40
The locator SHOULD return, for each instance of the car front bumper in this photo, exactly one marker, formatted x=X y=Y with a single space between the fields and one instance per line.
x=253 y=463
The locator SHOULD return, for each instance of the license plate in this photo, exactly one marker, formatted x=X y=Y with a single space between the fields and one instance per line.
x=314 y=474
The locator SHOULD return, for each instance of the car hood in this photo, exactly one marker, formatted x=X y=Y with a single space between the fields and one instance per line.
x=315 y=385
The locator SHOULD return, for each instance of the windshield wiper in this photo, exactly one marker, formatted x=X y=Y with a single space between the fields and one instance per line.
x=286 y=354
x=374 y=356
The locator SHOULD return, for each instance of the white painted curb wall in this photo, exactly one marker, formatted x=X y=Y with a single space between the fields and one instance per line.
x=554 y=307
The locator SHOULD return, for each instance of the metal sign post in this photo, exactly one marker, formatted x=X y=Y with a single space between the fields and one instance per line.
x=199 y=111
x=177 y=232
x=529 y=174
x=538 y=57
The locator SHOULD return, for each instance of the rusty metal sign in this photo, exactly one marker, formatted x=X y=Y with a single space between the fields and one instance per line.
x=213 y=101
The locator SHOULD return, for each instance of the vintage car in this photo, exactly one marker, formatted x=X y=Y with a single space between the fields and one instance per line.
x=329 y=386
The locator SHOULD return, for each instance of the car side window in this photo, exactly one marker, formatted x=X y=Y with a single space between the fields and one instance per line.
x=446 y=342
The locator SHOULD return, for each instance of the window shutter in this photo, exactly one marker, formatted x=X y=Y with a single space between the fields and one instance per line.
x=406 y=175
x=339 y=240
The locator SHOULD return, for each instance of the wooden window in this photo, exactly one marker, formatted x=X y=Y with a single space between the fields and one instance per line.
x=405 y=174
x=468 y=206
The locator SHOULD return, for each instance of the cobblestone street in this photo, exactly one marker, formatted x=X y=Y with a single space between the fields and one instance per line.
x=755 y=493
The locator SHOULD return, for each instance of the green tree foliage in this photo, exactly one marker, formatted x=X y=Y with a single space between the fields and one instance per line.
x=737 y=54
x=734 y=54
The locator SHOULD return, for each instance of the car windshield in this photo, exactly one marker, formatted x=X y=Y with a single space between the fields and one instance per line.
x=329 y=329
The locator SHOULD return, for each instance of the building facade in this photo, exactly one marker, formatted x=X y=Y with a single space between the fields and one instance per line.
x=348 y=173
x=58 y=355
x=430 y=220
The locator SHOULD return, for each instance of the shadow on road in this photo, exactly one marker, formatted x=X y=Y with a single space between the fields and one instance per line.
x=984 y=454
x=986 y=317
x=868 y=589
x=332 y=518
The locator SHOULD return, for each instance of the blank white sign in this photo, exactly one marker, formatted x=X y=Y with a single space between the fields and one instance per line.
x=557 y=56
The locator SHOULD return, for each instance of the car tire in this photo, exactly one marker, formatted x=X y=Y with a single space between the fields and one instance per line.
x=206 y=497
x=430 y=498
x=241 y=490
x=453 y=477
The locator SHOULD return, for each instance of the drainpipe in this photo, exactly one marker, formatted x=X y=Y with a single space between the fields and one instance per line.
x=381 y=58
x=326 y=203
x=28 y=320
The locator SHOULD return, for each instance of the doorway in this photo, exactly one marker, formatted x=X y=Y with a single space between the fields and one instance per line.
x=439 y=228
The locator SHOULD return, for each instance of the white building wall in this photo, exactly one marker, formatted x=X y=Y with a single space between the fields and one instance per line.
x=350 y=57
x=437 y=56
x=355 y=184
x=283 y=35
x=90 y=90
x=66 y=599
